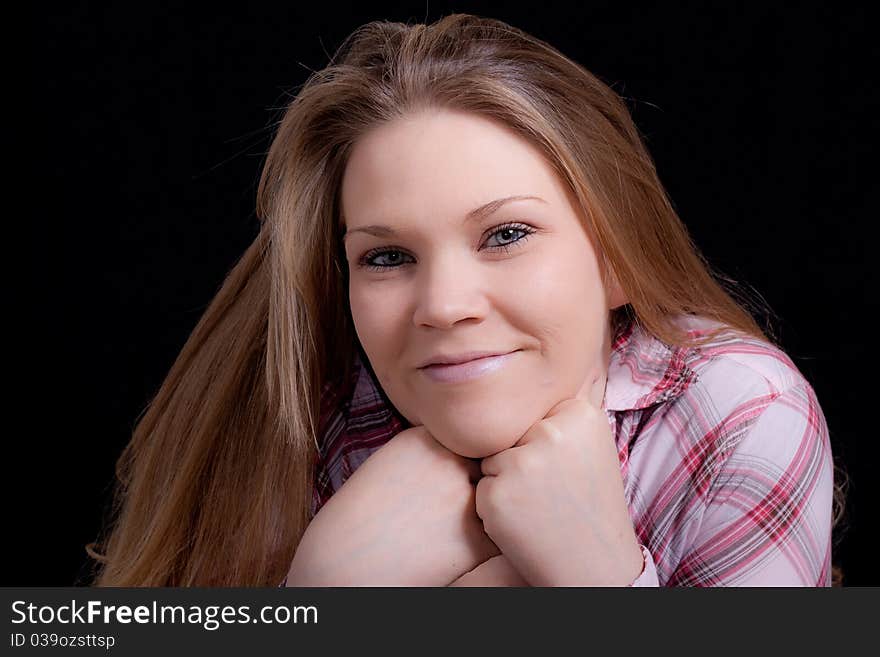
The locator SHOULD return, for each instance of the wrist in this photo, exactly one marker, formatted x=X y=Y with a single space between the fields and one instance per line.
x=622 y=571
x=643 y=558
x=629 y=570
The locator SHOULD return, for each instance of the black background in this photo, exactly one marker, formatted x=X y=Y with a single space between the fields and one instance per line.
x=153 y=126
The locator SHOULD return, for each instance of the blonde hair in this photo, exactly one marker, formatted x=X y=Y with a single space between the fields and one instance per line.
x=214 y=487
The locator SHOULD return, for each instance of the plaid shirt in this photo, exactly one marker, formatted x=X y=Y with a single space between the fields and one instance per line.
x=723 y=449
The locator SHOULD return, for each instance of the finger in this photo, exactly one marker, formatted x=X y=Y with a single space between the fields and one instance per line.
x=497 y=571
x=492 y=466
x=560 y=410
x=562 y=407
x=595 y=395
x=500 y=572
x=557 y=422
x=482 y=547
x=593 y=390
x=473 y=577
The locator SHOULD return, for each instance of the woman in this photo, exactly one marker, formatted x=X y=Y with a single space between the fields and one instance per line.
x=463 y=193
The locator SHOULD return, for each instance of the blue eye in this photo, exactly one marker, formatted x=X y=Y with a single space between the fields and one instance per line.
x=394 y=256
x=511 y=230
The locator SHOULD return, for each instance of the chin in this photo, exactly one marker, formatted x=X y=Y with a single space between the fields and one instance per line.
x=477 y=438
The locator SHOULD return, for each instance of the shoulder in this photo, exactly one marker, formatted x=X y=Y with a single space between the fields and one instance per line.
x=726 y=367
x=763 y=469
x=733 y=392
x=724 y=445
x=748 y=400
x=737 y=362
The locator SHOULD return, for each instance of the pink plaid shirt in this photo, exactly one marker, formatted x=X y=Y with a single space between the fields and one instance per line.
x=723 y=449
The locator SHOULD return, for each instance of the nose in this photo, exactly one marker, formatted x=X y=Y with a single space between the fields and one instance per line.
x=448 y=290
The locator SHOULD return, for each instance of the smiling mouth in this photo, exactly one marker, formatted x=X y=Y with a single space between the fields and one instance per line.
x=469 y=370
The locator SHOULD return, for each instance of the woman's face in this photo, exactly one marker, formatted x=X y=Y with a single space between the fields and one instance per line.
x=427 y=279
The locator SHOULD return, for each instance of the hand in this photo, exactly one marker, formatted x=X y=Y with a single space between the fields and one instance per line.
x=554 y=502
x=497 y=571
x=405 y=517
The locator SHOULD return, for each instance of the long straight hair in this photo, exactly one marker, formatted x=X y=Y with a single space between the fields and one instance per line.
x=215 y=485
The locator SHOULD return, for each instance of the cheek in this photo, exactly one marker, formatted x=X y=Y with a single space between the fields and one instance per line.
x=563 y=291
x=377 y=317
x=564 y=302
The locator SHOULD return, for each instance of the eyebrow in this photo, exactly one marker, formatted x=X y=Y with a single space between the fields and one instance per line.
x=477 y=213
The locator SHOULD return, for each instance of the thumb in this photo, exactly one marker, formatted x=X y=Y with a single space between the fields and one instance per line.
x=592 y=392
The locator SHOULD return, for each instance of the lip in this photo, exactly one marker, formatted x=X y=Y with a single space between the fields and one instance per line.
x=464 y=357
x=468 y=370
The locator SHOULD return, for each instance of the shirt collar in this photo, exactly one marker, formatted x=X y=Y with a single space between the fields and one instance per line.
x=643 y=370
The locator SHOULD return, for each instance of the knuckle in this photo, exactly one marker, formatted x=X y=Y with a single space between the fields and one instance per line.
x=489 y=494
x=553 y=434
x=587 y=410
x=527 y=463
x=481 y=494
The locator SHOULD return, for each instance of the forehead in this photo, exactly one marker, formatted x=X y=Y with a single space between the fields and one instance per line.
x=440 y=162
